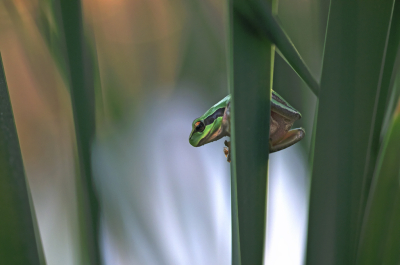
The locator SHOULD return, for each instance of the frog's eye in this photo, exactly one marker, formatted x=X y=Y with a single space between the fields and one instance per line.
x=199 y=126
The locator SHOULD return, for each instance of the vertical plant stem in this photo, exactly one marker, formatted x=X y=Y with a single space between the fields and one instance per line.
x=381 y=216
x=251 y=71
x=82 y=97
x=381 y=102
x=19 y=235
x=355 y=49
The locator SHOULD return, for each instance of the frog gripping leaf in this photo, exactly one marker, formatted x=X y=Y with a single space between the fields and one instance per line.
x=215 y=124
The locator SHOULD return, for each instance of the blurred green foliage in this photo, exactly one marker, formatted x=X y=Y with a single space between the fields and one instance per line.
x=19 y=236
x=380 y=234
x=351 y=86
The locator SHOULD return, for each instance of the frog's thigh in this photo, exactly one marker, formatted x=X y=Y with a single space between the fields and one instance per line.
x=292 y=137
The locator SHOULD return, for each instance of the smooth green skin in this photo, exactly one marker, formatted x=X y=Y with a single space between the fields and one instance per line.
x=213 y=131
x=287 y=115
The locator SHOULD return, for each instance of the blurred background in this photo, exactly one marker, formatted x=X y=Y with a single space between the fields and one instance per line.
x=157 y=66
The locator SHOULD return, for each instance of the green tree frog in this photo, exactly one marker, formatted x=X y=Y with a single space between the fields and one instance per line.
x=215 y=124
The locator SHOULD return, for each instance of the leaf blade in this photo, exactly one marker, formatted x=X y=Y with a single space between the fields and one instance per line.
x=19 y=237
x=259 y=15
x=251 y=72
x=378 y=243
x=81 y=81
x=353 y=56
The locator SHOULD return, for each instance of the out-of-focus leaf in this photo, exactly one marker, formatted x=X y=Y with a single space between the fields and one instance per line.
x=382 y=102
x=19 y=237
x=250 y=78
x=380 y=238
x=392 y=100
x=80 y=72
x=354 y=52
x=258 y=14
x=49 y=23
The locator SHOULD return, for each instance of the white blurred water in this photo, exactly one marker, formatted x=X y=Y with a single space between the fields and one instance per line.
x=165 y=202
x=287 y=208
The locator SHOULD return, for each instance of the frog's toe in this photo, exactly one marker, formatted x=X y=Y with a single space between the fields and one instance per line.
x=227 y=150
x=227 y=144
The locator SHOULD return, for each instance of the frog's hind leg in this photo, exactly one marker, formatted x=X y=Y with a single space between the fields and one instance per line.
x=292 y=137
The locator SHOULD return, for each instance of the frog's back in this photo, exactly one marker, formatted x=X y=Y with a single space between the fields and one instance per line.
x=280 y=105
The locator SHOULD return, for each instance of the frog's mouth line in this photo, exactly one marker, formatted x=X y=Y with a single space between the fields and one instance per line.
x=203 y=140
x=207 y=138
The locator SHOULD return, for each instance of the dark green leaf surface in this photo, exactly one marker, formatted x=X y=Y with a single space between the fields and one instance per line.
x=19 y=238
x=381 y=102
x=380 y=238
x=354 y=54
x=82 y=96
x=251 y=62
x=259 y=15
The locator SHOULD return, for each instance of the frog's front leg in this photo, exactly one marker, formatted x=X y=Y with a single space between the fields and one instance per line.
x=291 y=137
x=227 y=151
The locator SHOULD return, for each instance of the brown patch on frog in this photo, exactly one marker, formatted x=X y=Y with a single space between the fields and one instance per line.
x=279 y=126
x=278 y=130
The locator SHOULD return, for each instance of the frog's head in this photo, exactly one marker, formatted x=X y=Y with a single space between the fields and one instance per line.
x=211 y=126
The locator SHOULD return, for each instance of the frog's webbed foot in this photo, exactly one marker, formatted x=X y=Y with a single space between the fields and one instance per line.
x=292 y=137
x=227 y=151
